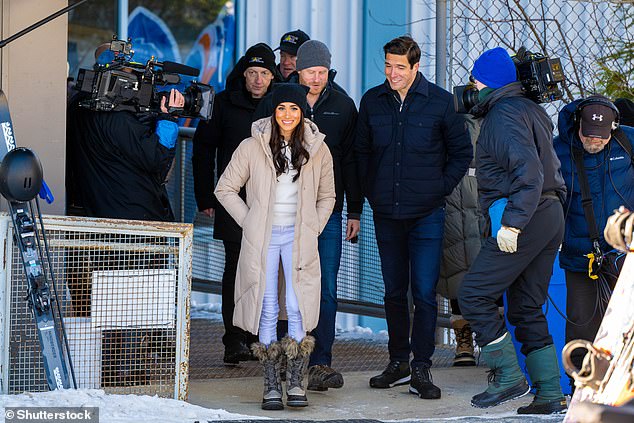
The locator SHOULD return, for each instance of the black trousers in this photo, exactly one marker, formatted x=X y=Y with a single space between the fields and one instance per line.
x=524 y=275
x=233 y=335
x=455 y=306
x=582 y=310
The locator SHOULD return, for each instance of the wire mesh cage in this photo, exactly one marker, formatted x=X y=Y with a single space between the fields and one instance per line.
x=123 y=288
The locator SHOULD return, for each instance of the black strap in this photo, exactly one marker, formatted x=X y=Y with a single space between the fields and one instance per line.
x=586 y=202
x=619 y=136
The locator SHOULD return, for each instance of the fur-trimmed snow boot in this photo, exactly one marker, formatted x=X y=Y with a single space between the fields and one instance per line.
x=297 y=355
x=269 y=357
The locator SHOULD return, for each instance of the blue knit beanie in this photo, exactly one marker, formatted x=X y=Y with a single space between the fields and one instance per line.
x=494 y=68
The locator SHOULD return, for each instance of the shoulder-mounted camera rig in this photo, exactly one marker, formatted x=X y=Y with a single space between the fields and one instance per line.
x=132 y=86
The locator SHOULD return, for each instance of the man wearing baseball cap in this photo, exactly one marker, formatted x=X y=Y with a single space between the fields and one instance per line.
x=590 y=138
x=289 y=43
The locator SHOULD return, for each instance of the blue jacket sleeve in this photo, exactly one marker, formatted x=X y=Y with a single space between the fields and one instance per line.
x=167 y=132
x=363 y=145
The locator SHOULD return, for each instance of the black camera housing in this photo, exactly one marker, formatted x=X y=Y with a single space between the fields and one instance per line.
x=540 y=77
x=126 y=85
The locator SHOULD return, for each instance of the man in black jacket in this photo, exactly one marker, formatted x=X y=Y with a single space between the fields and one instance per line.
x=412 y=150
x=118 y=161
x=335 y=114
x=214 y=144
x=520 y=191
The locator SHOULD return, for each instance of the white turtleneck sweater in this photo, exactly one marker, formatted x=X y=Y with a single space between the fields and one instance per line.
x=285 y=206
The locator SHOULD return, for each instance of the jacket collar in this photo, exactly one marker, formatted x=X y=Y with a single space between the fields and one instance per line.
x=420 y=86
x=568 y=130
x=294 y=77
x=513 y=89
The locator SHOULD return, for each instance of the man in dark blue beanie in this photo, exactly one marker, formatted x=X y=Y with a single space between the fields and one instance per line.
x=521 y=191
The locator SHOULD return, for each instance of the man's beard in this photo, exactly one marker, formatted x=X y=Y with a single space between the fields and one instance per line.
x=593 y=149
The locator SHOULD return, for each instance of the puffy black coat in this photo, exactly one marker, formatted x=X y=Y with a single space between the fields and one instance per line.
x=214 y=144
x=462 y=238
x=117 y=166
x=410 y=157
x=335 y=115
x=515 y=158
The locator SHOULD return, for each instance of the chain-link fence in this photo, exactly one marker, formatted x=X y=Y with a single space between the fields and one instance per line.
x=588 y=36
x=593 y=39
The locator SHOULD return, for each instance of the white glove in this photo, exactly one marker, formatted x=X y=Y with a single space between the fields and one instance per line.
x=507 y=239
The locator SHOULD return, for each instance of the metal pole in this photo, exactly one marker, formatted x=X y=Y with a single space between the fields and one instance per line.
x=122 y=19
x=441 y=43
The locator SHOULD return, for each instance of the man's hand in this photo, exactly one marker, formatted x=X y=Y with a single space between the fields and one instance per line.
x=209 y=212
x=507 y=239
x=618 y=230
x=352 y=228
x=176 y=100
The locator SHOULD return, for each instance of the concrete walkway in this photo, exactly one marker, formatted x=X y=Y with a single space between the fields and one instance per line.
x=356 y=400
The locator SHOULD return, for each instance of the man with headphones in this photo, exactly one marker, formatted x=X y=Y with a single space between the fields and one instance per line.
x=595 y=152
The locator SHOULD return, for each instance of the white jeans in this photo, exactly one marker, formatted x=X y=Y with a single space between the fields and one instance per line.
x=281 y=245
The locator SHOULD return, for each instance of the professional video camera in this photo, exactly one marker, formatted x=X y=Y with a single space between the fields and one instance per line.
x=126 y=85
x=538 y=74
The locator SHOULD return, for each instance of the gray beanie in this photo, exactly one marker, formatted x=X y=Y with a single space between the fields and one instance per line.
x=313 y=53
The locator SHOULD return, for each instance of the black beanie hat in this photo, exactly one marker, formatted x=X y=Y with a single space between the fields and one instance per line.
x=291 y=93
x=259 y=55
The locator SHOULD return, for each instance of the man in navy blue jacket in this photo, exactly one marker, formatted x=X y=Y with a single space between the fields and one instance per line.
x=521 y=191
x=412 y=150
x=587 y=126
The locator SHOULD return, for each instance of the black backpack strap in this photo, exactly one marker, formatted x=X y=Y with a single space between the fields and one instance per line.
x=586 y=203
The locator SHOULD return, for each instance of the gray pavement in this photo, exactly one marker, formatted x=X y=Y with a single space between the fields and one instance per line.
x=356 y=400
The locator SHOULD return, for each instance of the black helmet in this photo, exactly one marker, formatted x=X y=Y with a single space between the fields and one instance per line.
x=20 y=175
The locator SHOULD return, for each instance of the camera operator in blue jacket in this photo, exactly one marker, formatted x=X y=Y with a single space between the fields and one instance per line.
x=590 y=128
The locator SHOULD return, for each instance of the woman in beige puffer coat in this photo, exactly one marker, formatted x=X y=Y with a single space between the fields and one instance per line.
x=288 y=173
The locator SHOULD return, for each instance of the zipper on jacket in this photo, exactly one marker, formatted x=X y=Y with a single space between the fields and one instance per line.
x=400 y=103
x=317 y=103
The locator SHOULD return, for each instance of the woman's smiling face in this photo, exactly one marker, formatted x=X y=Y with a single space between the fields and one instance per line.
x=288 y=116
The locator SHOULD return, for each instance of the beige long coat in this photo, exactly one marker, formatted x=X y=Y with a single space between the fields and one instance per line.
x=252 y=165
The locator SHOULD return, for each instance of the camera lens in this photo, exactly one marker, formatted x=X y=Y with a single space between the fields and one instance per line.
x=464 y=98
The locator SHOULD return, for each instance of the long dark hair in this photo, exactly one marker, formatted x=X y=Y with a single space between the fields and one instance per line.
x=299 y=155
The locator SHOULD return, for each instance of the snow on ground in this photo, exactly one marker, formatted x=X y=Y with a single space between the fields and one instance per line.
x=361 y=333
x=122 y=408
x=211 y=311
